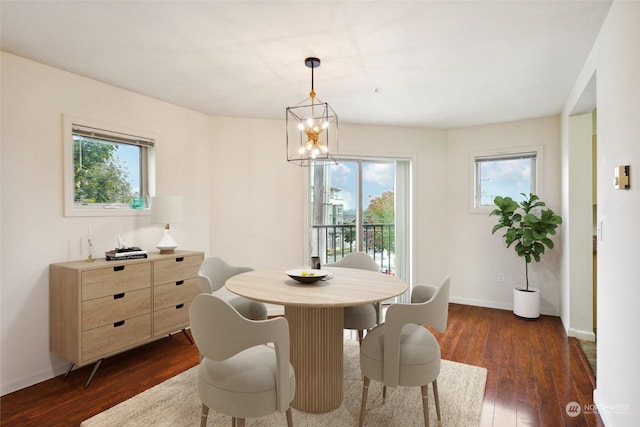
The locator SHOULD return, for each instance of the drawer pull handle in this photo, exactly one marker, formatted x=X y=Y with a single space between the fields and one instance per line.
x=118 y=296
x=179 y=306
x=179 y=282
x=180 y=259
x=120 y=323
x=118 y=268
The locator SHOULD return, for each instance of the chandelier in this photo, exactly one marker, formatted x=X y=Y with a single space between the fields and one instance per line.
x=312 y=128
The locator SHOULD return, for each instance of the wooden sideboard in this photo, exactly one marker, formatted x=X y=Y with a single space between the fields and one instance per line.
x=101 y=308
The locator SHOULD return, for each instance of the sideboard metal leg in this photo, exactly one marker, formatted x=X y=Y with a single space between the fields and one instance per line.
x=95 y=368
x=71 y=365
x=184 y=331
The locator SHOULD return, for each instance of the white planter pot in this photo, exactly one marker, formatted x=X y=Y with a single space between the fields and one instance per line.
x=526 y=304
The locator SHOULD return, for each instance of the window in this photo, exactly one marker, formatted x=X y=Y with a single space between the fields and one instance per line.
x=107 y=171
x=505 y=174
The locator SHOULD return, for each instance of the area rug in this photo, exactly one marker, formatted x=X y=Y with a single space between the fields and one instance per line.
x=175 y=402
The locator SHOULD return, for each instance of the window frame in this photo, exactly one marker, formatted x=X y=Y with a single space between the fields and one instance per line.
x=72 y=209
x=500 y=154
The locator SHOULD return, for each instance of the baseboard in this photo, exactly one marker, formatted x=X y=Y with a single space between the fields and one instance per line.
x=597 y=401
x=481 y=303
x=278 y=310
x=547 y=311
x=25 y=382
x=581 y=335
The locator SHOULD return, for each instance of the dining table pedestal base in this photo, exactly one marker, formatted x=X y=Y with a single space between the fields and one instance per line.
x=316 y=351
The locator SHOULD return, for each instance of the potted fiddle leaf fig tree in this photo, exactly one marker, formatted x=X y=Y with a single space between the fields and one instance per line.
x=528 y=226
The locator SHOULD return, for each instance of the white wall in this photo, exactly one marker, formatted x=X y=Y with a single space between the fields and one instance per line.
x=256 y=196
x=476 y=257
x=617 y=56
x=258 y=199
x=34 y=231
x=428 y=152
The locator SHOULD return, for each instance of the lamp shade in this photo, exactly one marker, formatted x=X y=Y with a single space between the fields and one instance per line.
x=166 y=210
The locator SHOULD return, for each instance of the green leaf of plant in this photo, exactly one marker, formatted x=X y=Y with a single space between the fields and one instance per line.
x=497 y=227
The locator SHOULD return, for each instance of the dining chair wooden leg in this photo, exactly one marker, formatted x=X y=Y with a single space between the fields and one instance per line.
x=289 y=418
x=233 y=421
x=425 y=403
x=437 y=399
x=384 y=394
x=360 y=336
x=365 y=390
x=240 y=422
x=203 y=416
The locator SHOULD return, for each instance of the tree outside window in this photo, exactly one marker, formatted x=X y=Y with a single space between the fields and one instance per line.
x=100 y=175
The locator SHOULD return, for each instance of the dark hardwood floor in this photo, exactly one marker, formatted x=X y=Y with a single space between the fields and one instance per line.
x=64 y=401
x=534 y=371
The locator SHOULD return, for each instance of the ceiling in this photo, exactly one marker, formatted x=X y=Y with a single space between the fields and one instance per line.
x=432 y=64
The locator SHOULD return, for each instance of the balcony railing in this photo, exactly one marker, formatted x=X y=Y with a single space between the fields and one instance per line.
x=333 y=242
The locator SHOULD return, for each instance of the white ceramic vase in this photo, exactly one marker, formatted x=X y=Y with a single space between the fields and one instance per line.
x=526 y=304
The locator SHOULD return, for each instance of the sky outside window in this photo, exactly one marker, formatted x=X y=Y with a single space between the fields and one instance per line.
x=376 y=179
x=506 y=178
x=129 y=158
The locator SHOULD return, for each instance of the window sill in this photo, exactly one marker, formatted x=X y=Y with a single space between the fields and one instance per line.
x=105 y=211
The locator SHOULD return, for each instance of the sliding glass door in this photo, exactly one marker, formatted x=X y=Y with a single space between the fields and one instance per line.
x=362 y=205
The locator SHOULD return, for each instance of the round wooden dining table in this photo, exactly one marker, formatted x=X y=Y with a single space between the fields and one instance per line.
x=315 y=313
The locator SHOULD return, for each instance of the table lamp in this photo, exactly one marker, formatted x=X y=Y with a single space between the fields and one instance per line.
x=166 y=210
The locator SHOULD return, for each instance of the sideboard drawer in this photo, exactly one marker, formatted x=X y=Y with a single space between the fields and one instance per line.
x=176 y=269
x=114 y=280
x=107 y=310
x=171 y=319
x=111 y=338
x=172 y=294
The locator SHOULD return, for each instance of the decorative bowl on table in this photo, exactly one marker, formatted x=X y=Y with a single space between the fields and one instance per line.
x=307 y=275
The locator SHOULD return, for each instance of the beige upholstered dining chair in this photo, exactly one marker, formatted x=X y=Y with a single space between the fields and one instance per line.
x=402 y=352
x=359 y=317
x=212 y=276
x=239 y=374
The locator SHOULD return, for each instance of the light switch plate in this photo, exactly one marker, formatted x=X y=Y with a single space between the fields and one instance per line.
x=621 y=177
